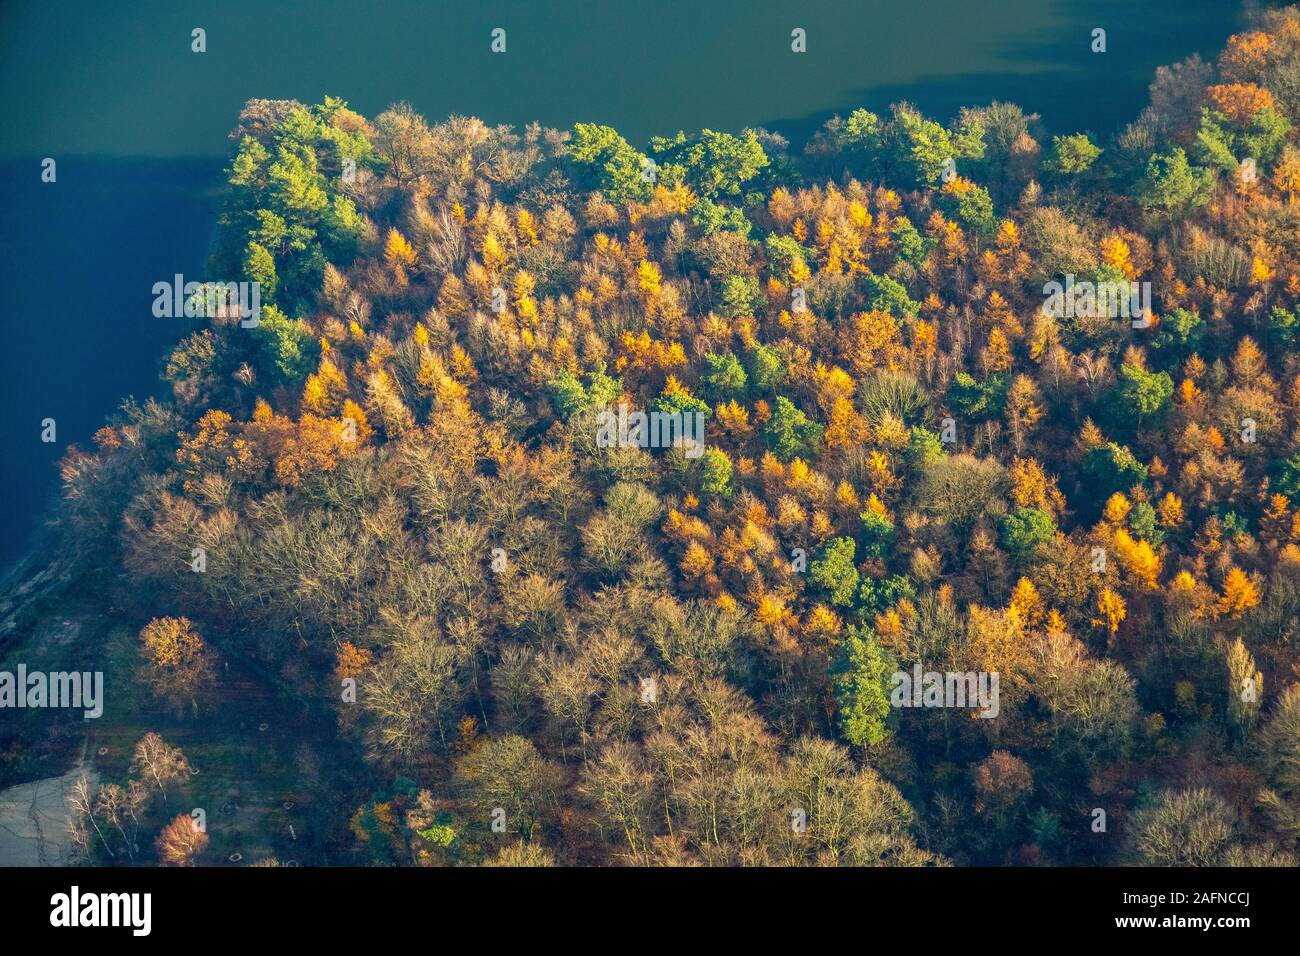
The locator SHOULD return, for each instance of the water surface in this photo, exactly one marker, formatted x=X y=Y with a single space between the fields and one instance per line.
x=138 y=124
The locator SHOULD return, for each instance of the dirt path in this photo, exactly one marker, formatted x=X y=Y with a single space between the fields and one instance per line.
x=33 y=821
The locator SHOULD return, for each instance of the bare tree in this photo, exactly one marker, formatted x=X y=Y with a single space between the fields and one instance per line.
x=81 y=811
x=161 y=762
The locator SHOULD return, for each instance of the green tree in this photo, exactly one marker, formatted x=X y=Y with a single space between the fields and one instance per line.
x=1171 y=186
x=724 y=377
x=1072 y=155
x=789 y=433
x=614 y=167
x=767 y=368
x=1224 y=143
x=834 y=573
x=259 y=266
x=569 y=396
x=715 y=472
x=289 y=351
x=714 y=165
x=888 y=295
x=1140 y=398
x=877 y=534
x=1111 y=468
x=876 y=595
x=784 y=256
x=740 y=295
x=1024 y=529
x=971 y=206
x=861 y=676
x=1178 y=335
x=976 y=400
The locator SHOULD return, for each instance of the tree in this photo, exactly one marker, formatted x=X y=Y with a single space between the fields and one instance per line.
x=715 y=165
x=834 y=573
x=959 y=489
x=1139 y=560
x=622 y=791
x=715 y=472
x=1111 y=468
x=521 y=854
x=1093 y=703
x=1002 y=783
x=789 y=432
x=1140 y=397
x=970 y=204
x=1024 y=529
x=288 y=352
x=877 y=528
x=1183 y=828
x=406 y=143
x=1245 y=686
x=159 y=762
x=509 y=774
x=724 y=377
x=614 y=166
x=976 y=400
x=259 y=266
x=1072 y=155
x=411 y=697
x=767 y=369
x=569 y=396
x=397 y=250
x=907 y=148
x=740 y=295
x=861 y=678
x=178 y=664
x=1279 y=743
x=852 y=817
x=181 y=842
x=889 y=295
x=1173 y=187
x=1239 y=594
x=81 y=818
x=1179 y=334
x=1239 y=121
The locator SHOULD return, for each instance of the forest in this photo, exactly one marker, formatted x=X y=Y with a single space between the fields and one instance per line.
x=387 y=498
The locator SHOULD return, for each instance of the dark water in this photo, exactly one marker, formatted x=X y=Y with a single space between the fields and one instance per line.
x=113 y=92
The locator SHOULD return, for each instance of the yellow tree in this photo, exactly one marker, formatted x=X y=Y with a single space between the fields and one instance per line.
x=178 y=665
x=1112 y=609
x=1245 y=685
x=1138 y=558
x=181 y=842
x=397 y=250
x=1032 y=487
x=1239 y=594
x=1286 y=174
x=1026 y=601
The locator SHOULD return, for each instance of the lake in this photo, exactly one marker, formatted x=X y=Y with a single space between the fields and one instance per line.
x=138 y=125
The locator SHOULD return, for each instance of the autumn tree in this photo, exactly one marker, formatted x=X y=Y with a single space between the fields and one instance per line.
x=178 y=665
x=181 y=842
